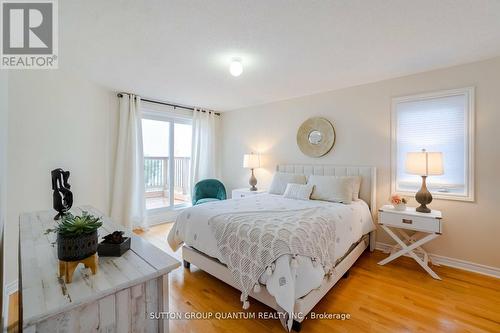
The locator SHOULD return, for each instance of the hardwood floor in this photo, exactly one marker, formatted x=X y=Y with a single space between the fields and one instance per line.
x=13 y=317
x=398 y=297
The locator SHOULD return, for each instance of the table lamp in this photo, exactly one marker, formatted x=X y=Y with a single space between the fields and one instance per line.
x=424 y=164
x=251 y=161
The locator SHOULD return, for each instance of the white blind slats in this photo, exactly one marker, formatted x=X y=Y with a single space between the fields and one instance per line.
x=438 y=124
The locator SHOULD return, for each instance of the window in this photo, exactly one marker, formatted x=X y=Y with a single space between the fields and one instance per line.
x=437 y=122
x=166 y=179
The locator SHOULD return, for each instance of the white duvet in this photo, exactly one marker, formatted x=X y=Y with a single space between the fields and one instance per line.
x=354 y=220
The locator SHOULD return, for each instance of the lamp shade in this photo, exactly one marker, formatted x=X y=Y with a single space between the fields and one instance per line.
x=251 y=161
x=424 y=163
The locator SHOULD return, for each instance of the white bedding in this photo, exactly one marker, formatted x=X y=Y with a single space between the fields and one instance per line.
x=354 y=220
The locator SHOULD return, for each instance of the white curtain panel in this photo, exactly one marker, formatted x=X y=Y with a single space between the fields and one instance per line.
x=205 y=149
x=128 y=206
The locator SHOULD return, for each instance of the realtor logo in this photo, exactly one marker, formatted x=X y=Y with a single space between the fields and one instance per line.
x=29 y=34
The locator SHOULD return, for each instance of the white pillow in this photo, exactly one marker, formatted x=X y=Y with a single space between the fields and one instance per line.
x=281 y=180
x=298 y=191
x=332 y=188
x=356 y=186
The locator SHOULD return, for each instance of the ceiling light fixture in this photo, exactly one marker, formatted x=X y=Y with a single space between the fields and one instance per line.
x=236 y=67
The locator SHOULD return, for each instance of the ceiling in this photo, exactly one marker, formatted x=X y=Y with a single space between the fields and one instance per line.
x=179 y=51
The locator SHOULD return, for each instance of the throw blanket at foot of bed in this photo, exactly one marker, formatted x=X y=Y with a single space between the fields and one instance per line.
x=250 y=243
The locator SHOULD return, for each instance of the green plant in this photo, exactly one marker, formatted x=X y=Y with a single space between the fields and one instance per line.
x=73 y=226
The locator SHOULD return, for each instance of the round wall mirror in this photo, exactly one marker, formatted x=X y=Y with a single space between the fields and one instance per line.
x=316 y=137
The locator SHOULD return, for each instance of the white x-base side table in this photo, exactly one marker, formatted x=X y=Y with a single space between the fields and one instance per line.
x=427 y=227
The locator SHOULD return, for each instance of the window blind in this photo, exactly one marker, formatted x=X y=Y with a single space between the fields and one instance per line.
x=438 y=124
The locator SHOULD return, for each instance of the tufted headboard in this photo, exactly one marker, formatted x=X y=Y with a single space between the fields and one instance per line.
x=368 y=176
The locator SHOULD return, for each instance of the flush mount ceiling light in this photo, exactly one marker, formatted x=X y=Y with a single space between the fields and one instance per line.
x=236 y=67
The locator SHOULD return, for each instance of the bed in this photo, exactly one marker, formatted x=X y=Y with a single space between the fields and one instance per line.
x=308 y=282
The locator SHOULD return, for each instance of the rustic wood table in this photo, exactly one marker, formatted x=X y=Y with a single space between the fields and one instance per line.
x=120 y=298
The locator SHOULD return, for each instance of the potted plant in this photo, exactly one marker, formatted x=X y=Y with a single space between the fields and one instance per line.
x=77 y=236
x=398 y=202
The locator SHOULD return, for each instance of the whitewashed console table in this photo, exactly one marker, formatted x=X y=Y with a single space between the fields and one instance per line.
x=119 y=298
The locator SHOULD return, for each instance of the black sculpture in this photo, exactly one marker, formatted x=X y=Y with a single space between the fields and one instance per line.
x=62 y=196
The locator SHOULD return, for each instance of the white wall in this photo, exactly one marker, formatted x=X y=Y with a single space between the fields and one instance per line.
x=55 y=120
x=361 y=117
x=3 y=172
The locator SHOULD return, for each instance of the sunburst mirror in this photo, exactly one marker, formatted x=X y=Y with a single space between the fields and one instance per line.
x=316 y=137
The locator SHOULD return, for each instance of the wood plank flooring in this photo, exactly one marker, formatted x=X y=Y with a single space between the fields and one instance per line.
x=398 y=297
x=13 y=316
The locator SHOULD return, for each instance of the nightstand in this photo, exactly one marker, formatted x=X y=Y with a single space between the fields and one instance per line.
x=427 y=226
x=245 y=192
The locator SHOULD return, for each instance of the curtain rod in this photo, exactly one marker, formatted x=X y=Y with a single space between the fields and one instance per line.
x=175 y=106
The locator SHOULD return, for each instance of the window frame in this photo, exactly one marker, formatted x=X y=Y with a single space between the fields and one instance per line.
x=158 y=215
x=469 y=93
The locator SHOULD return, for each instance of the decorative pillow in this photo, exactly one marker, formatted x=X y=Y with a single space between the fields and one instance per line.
x=298 y=191
x=332 y=188
x=281 y=180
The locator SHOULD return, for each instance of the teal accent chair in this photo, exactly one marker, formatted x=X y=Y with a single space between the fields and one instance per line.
x=208 y=190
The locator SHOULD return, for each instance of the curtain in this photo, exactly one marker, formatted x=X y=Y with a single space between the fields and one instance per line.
x=128 y=206
x=205 y=146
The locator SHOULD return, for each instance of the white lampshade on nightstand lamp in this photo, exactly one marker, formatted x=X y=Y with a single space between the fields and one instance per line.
x=252 y=161
x=424 y=164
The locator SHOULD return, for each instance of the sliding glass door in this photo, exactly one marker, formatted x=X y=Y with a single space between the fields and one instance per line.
x=167 y=161
x=182 y=162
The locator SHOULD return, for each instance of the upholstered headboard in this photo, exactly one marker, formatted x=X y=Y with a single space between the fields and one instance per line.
x=367 y=173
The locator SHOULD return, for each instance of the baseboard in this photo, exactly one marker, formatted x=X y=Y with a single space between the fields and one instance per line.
x=9 y=289
x=452 y=262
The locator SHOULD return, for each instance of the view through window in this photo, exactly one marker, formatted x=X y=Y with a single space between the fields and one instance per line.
x=166 y=179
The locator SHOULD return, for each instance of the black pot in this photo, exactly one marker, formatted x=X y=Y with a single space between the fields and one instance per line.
x=76 y=248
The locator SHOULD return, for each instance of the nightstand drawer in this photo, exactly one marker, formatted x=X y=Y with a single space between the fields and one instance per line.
x=427 y=224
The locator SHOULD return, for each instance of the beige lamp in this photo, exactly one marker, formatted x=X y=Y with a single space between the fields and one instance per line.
x=251 y=161
x=424 y=164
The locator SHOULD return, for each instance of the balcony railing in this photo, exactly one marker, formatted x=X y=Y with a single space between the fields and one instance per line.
x=156 y=176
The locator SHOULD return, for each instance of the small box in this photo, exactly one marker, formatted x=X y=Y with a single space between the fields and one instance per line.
x=113 y=250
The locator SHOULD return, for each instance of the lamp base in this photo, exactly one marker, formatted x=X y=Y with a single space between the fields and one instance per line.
x=423 y=209
x=253 y=182
x=423 y=197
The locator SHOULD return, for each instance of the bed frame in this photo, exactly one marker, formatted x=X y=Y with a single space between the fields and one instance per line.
x=304 y=304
